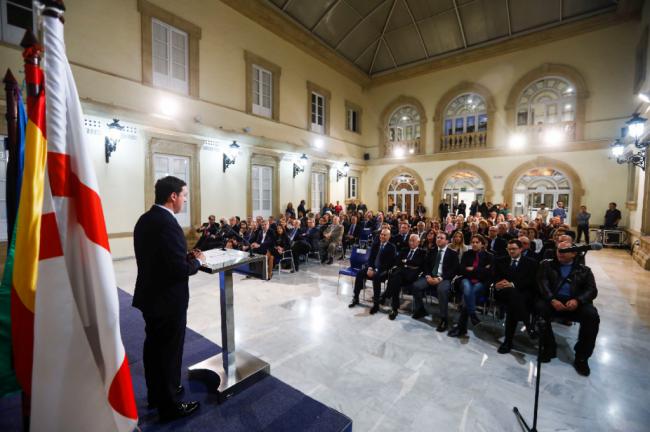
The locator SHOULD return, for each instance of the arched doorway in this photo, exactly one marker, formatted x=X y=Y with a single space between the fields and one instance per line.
x=464 y=186
x=404 y=193
x=542 y=186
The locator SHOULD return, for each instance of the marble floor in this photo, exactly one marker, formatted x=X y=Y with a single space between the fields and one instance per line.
x=403 y=375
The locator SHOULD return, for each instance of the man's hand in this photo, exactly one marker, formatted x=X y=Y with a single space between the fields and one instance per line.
x=432 y=280
x=502 y=284
x=558 y=306
x=571 y=305
x=198 y=255
x=255 y=245
x=470 y=268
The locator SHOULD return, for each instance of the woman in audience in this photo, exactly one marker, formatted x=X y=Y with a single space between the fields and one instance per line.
x=458 y=243
x=290 y=212
x=282 y=243
x=449 y=225
x=429 y=242
x=475 y=268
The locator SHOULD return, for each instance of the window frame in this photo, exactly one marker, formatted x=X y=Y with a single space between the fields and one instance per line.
x=167 y=81
x=252 y=61
x=258 y=88
x=12 y=34
x=315 y=89
x=348 y=191
x=351 y=107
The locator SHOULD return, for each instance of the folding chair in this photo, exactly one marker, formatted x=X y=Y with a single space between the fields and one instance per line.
x=287 y=255
x=364 y=237
x=358 y=257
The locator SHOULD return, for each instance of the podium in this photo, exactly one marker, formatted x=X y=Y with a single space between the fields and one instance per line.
x=236 y=369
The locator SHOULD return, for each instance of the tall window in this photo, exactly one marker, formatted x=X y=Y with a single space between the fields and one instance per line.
x=262 y=91
x=170 y=57
x=352 y=120
x=353 y=186
x=317 y=191
x=262 y=190
x=177 y=166
x=404 y=131
x=547 y=101
x=317 y=112
x=16 y=16
x=466 y=114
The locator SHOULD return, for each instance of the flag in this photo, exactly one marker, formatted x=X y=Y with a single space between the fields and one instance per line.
x=28 y=221
x=81 y=379
x=16 y=123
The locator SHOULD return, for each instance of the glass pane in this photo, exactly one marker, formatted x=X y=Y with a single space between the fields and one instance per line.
x=470 y=123
x=178 y=56
x=178 y=41
x=448 y=127
x=459 y=125
x=178 y=72
x=522 y=118
x=482 y=122
x=160 y=50
x=159 y=32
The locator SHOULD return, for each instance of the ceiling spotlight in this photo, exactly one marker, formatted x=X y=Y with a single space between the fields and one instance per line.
x=168 y=106
x=411 y=151
x=644 y=97
x=318 y=143
x=517 y=141
x=553 y=136
x=399 y=152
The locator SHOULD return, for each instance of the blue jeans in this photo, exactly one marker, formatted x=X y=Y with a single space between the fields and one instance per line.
x=470 y=292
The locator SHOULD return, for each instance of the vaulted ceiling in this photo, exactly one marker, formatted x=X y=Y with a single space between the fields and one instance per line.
x=382 y=35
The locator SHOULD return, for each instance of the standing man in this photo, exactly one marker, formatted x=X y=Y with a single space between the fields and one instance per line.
x=542 y=212
x=560 y=211
x=612 y=217
x=443 y=210
x=162 y=294
x=583 y=224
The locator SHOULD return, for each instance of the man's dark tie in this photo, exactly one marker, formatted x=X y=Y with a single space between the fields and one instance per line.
x=513 y=265
x=436 y=262
x=410 y=255
x=378 y=259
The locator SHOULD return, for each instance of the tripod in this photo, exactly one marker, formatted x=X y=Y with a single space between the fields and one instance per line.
x=542 y=327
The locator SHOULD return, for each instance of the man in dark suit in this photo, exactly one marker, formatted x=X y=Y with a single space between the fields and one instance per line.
x=516 y=288
x=209 y=233
x=495 y=244
x=265 y=240
x=410 y=264
x=441 y=269
x=305 y=241
x=351 y=235
x=162 y=294
x=380 y=261
x=401 y=239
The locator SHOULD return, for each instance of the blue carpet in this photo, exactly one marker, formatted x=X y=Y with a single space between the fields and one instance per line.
x=269 y=405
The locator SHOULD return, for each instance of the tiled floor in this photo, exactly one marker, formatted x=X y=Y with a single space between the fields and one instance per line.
x=403 y=375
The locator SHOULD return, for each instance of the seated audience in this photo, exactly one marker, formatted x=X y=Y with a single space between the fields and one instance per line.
x=401 y=239
x=458 y=244
x=305 y=241
x=380 y=261
x=409 y=266
x=209 y=231
x=441 y=268
x=515 y=289
x=332 y=236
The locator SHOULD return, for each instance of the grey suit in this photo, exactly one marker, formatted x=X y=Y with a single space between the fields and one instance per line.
x=328 y=245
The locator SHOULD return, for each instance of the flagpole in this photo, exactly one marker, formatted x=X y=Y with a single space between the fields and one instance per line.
x=11 y=87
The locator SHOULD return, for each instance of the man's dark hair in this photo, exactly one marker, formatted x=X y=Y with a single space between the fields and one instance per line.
x=613 y=203
x=444 y=233
x=517 y=242
x=167 y=186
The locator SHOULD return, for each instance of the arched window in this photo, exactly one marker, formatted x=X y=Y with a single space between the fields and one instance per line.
x=466 y=114
x=464 y=186
x=404 y=131
x=542 y=186
x=548 y=101
x=403 y=193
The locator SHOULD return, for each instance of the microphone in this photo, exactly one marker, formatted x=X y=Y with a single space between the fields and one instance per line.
x=585 y=248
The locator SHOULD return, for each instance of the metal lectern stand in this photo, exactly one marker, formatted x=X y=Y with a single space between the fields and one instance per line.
x=236 y=369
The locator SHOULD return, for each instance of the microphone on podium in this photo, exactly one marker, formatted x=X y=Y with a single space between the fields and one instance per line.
x=584 y=248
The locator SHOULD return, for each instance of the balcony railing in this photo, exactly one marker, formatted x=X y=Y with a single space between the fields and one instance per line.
x=549 y=132
x=465 y=141
x=403 y=148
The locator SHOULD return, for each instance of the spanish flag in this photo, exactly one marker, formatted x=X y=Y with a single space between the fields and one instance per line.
x=28 y=222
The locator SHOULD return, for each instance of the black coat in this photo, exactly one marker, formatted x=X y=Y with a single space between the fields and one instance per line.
x=484 y=271
x=400 y=242
x=524 y=277
x=449 y=264
x=581 y=279
x=500 y=246
x=161 y=287
x=353 y=231
x=269 y=241
x=417 y=262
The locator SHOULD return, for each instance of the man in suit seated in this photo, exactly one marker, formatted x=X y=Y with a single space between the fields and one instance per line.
x=265 y=241
x=208 y=232
x=526 y=251
x=380 y=261
x=440 y=270
x=567 y=290
x=410 y=264
x=332 y=237
x=515 y=288
x=401 y=239
x=351 y=235
x=305 y=241
x=496 y=244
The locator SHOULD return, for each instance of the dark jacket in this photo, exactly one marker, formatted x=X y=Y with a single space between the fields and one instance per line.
x=524 y=277
x=269 y=241
x=449 y=264
x=386 y=259
x=581 y=280
x=355 y=232
x=161 y=287
x=417 y=263
x=499 y=248
x=484 y=271
x=400 y=242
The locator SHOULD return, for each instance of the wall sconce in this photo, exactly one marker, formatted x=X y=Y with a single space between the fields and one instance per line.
x=344 y=173
x=635 y=128
x=300 y=166
x=112 y=138
x=230 y=155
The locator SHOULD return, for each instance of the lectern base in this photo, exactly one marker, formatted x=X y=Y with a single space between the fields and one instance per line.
x=246 y=371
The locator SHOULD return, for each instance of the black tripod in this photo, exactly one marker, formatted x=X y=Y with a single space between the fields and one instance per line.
x=542 y=328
